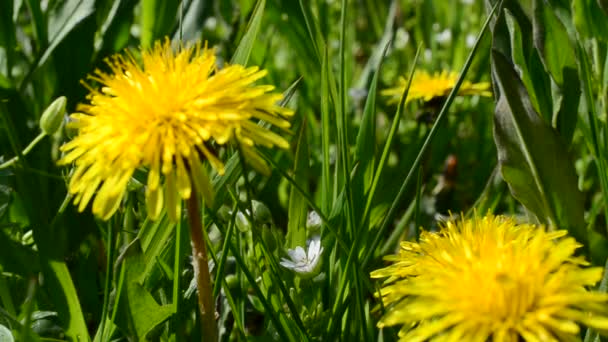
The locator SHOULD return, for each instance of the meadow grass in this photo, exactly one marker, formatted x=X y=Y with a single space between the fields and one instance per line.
x=290 y=235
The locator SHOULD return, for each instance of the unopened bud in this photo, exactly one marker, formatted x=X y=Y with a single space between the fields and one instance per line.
x=242 y=221
x=313 y=221
x=261 y=213
x=51 y=119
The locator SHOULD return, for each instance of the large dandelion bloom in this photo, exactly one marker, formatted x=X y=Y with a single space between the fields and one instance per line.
x=490 y=279
x=427 y=87
x=162 y=115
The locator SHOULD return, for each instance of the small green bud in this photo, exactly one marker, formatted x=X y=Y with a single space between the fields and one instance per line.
x=232 y=281
x=51 y=119
x=224 y=214
x=261 y=213
x=242 y=221
x=313 y=221
x=5 y=334
x=46 y=324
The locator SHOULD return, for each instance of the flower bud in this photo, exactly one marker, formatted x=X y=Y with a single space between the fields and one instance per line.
x=6 y=334
x=242 y=222
x=51 y=119
x=261 y=213
x=313 y=221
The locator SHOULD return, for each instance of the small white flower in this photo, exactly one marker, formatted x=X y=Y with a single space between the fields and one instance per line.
x=428 y=55
x=401 y=38
x=357 y=94
x=210 y=24
x=470 y=40
x=444 y=36
x=313 y=220
x=305 y=264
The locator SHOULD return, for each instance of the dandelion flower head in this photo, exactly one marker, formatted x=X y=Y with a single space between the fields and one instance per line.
x=427 y=87
x=492 y=279
x=163 y=115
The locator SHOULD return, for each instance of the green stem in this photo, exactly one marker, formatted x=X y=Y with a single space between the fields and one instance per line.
x=201 y=271
x=177 y=267
x=25 y=151
x=108 y=282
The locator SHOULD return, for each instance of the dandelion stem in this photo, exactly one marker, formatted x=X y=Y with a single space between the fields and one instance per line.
x=201 y=270
x=25 y=151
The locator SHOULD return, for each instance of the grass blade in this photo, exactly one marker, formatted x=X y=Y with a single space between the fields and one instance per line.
x=243 y=50
x=414 y=168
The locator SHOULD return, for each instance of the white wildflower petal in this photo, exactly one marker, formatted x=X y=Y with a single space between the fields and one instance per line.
x=299 y=254
x=313 y=249
x=305 y=262
x=287 y=263
x=313 y=220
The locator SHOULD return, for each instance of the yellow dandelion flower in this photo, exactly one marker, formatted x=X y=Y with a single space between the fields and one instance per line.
x=491 y=279
x=427 y=87
x=162 y=115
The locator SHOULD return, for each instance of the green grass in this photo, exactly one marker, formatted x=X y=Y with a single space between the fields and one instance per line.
x=375 y=172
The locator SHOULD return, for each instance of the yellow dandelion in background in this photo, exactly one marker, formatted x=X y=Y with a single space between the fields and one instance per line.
x=162 y=116
x=427 y=87
x=490 y=279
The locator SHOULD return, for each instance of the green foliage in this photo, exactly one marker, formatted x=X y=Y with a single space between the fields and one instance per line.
x=138 y=311
x=531 y=157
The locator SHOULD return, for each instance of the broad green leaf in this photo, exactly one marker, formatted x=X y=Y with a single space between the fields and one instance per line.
x=552 y=41
x=243 y=50
x=589 y=19
x=296 y=226
x=139 y=312
x=63 y=20
x=532 y=156
x=154 y=236
x=564 y=120
x=115 y=30
x=542 y=86
x=60 y=285
x=513 y=36
x=518 y=56
x=157 y=20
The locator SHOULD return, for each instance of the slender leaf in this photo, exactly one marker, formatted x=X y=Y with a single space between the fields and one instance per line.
x=590 y=20
x=139 y=313
x=61 y=286
x=243 y=50
x=557 y=54
x=531 y=156
x=157 y=20
x=296 y=226
x=63 y=20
